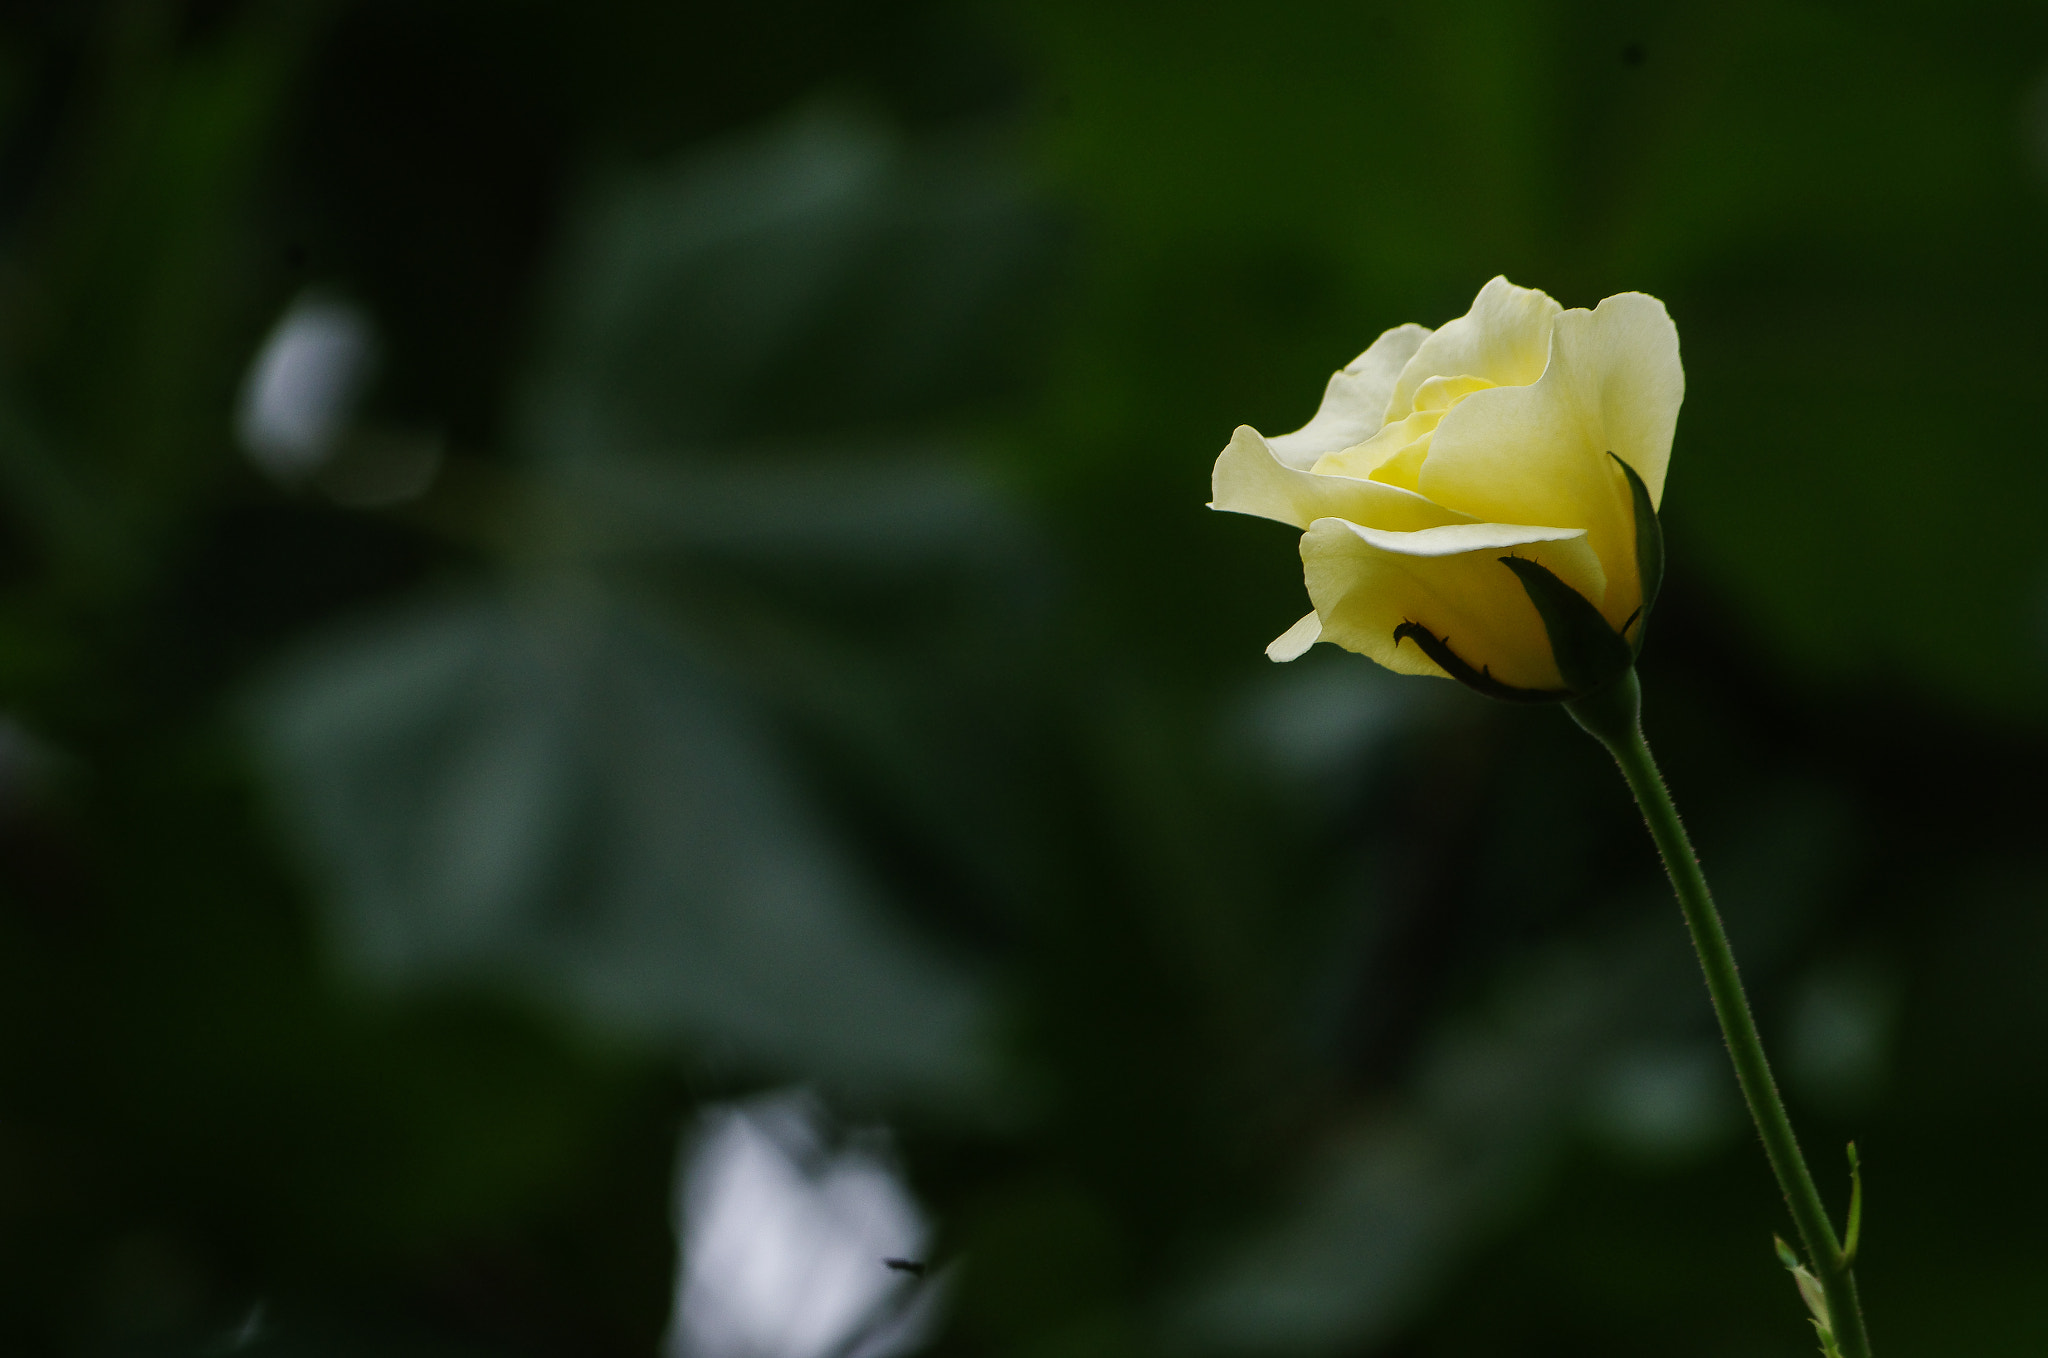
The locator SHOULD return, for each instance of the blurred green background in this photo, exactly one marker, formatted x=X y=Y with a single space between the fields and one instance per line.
x=564 y=568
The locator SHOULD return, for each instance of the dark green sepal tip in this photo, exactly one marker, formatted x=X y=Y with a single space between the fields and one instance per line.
x=1649 y=552
x=1592 y=658
x=1589 y=653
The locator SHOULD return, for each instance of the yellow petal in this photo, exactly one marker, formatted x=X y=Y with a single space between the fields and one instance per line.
x=1293 y=643
x=1366 y=582
x=1504 y=338
x=1355 y=402
x=1538 y=454
x=1249 y=479
x=1629 y=342
x=1363 y=459
x=1404 y=468
x=1395 y=454
x=1441 y=393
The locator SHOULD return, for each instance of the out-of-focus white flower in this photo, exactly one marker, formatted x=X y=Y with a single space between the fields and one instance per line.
x=786 y=1243
x=300 y=396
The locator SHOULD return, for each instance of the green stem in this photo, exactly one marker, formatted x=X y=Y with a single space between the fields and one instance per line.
x=1613 y=716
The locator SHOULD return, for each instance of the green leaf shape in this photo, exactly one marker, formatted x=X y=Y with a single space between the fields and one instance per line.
x=552 y=787
x=801 y=281
x=1649 y=550
x=1589 y=653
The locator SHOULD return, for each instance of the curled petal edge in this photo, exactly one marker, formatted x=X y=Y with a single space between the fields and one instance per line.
x=1249 y=478
x=1354 y=404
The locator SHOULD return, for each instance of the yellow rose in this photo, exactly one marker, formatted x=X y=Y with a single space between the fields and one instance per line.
x=1438 y=457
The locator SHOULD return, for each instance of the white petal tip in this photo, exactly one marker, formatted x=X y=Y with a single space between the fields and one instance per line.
x=1292 y=643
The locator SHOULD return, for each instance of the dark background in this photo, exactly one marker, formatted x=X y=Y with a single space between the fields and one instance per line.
x=812 y=664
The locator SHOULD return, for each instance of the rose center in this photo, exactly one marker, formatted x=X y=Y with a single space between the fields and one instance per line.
x=1396 y=453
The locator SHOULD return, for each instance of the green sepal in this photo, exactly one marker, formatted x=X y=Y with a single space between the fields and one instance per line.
x=1649 y=552
x=1480 y=680
x=1589 y=654
x=1815 y=1297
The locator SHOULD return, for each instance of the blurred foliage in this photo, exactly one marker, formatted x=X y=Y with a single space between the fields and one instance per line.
x=812 y=664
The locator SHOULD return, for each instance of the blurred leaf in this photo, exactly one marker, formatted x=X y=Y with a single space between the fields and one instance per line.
x=878 y=505
x=544 y=785
x=814 y=277
x=547 y=788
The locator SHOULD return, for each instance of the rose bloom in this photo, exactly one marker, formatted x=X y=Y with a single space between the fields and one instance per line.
x=1437 y=453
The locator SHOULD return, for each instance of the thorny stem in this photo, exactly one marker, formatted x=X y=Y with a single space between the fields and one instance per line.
x=1613 y=716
